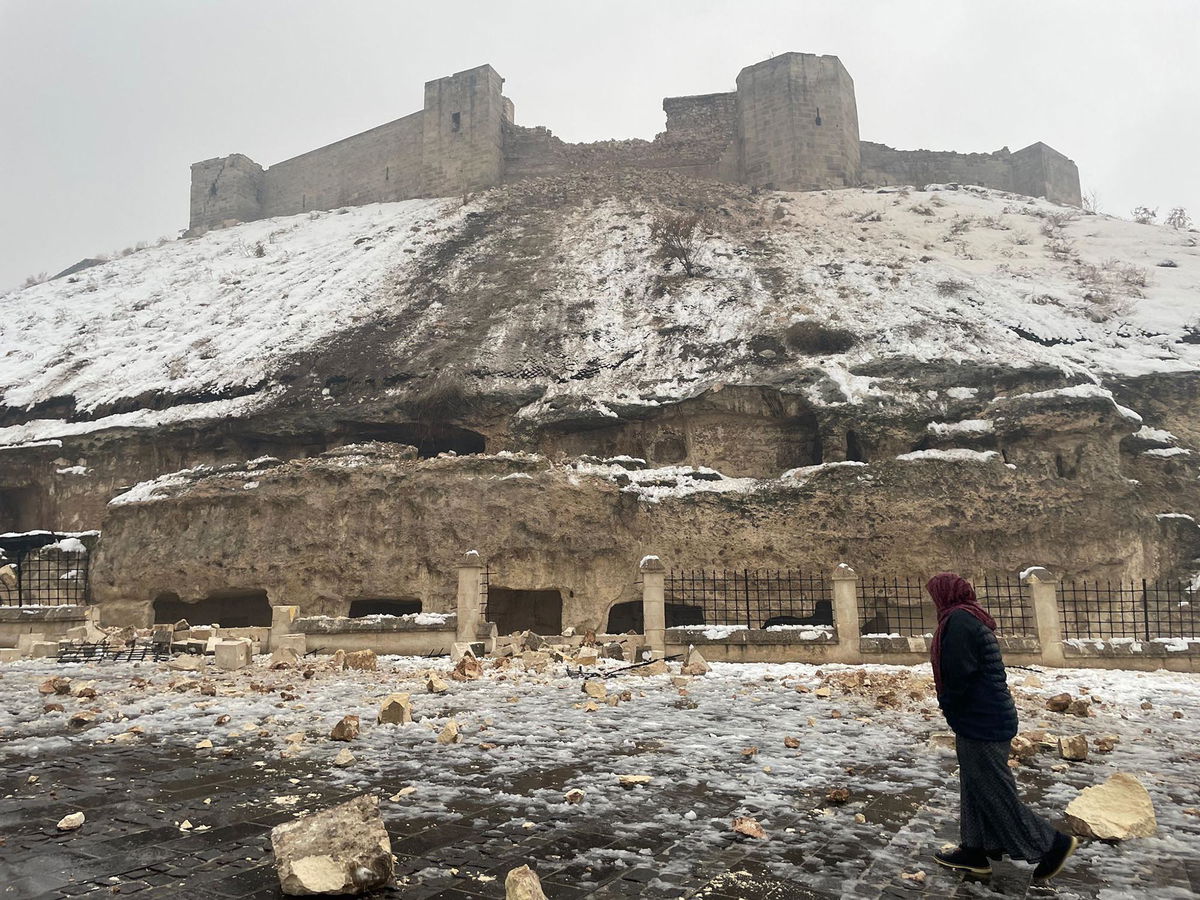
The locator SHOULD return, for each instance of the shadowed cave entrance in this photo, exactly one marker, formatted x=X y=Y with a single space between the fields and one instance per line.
x=381 y=607
x=623 y=617
x=512 y=610
x=231 y=608
x=429 y=438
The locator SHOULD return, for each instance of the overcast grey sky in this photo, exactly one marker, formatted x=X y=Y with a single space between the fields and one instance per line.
x=105 y=103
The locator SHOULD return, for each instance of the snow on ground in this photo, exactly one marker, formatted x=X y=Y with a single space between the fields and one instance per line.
x=947 y=275
x=210 y=314
x=713 y=749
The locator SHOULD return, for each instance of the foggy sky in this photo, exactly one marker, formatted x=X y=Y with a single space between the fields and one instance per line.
x=104 y=104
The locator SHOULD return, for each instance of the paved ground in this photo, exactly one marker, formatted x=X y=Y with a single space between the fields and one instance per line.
x=136 y=796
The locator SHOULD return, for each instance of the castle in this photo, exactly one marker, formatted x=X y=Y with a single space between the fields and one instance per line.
x=792 y=125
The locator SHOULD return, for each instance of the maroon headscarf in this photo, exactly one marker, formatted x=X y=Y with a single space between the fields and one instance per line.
x=951 y=592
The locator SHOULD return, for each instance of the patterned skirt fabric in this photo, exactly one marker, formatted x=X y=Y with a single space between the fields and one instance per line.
x=993 y=818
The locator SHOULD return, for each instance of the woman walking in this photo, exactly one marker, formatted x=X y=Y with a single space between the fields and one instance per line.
x=972 y=691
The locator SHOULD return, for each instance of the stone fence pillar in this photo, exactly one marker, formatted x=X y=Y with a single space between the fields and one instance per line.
x=1043 y=587
x=654 y=607
x=845 y=613
x=470 y=592
x=282 y=618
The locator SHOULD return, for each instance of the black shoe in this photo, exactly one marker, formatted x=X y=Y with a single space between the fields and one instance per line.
x=965 y=859
x=1056 y=857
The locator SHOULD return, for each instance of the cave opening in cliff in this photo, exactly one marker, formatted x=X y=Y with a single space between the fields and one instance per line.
x=625 y=617
x=513 y=609
x=429 y=438
x=20 y=509
x=383 y=607
x=230 y=608
x=854 y=448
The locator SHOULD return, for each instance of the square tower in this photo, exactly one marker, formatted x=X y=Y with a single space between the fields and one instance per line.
x=462 y=148
x=797 y=124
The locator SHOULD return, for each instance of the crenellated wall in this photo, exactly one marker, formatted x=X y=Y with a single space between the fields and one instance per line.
x=792 y=124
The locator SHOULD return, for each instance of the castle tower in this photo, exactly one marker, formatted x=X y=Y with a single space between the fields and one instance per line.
x=225 y=189
x=797 y=124
x=462 y=148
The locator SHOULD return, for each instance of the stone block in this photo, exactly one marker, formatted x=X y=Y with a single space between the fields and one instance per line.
x=298 y=643
x=232 y=655
x=43 y=650
x=10 y=654
x=282 y=618
x=188 y=662
x=78 y=633
x=341 y=850
x=25 y=642
x=1116 y=810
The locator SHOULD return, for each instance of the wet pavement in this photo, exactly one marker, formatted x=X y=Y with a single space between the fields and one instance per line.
x=135 y=799
x=165 y=819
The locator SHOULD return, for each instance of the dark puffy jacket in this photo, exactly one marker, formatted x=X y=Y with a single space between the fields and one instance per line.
x=975 y=697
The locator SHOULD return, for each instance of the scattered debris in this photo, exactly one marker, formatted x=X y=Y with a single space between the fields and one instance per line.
x=749 y=827
x=1116 y=810
x=523 y=884
x=345 y=730
x=70 y=822
x=341 y=850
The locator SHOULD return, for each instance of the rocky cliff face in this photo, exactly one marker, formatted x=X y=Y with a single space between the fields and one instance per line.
x=1041 y=365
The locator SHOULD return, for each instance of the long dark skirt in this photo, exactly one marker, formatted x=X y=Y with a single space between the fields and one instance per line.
x=993 y=818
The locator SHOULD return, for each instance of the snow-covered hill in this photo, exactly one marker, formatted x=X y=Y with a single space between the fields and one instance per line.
x=558 y=283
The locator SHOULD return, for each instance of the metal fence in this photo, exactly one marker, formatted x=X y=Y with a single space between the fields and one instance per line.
x=1137 y=610
x=901 y=605
x=36 y=571
x=749 y=597
x=1007 y=599
x=894 y=606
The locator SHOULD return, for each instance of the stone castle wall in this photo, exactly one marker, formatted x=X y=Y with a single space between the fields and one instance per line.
x=1037 y=170
x=792 y=124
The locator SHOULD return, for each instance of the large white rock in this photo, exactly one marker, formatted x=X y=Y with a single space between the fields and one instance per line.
x=523 y=884
x=341 y=850
x=232 y=655
x=1117 y=810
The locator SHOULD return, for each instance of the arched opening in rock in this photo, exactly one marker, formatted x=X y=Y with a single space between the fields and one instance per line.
x=854 y=447
x=231 y=608
x=513 y=609
x=623 y=617
x=382 y=607
x=429 y=438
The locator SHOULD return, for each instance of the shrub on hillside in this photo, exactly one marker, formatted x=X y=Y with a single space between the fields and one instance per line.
x=679 y=237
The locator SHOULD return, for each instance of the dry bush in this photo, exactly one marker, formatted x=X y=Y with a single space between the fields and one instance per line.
x=923 y=209
x=1144 y=215
x=1178 y=218
x=959 y=225
x=33 y=280
x=679 y=237
x=1090 y=203
x=996 y=223
x=814 y=339
x=1053 y=223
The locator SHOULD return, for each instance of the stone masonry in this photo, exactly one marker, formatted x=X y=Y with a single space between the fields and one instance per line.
x=792 y=124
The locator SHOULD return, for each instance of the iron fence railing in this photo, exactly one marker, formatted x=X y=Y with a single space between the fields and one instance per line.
x=894 y=606
x=748 y=597
x=36 y=571
x=1007 y=599
x=1136 y=610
